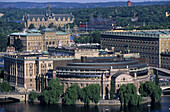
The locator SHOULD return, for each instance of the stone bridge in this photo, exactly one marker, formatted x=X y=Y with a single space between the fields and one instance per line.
x=15 y=96
x=165 y=86
x=160 y=71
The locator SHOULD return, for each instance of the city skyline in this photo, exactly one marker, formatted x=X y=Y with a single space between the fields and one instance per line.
x=78 y=1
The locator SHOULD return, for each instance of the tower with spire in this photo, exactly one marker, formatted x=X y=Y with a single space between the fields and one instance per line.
x=59 y=20
x=129 y=3
x=48 y=11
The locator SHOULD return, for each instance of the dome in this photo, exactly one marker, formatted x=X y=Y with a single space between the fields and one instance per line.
x=45 y=52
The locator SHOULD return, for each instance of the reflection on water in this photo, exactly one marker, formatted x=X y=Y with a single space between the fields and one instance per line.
x=163 y=106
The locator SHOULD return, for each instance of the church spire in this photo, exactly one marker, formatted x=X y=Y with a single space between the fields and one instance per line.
x=48 y=11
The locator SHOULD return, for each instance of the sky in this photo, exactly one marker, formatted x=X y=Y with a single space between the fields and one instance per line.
x=80 y=1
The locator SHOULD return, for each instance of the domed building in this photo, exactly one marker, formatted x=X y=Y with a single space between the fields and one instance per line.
x=103 y=70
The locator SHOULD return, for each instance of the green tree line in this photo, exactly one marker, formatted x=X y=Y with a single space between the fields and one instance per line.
x=5 y=29
x=55 y=91
x=153 y=16
x=93 y=37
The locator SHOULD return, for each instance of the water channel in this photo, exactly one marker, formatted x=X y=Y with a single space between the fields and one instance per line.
x=163 y=106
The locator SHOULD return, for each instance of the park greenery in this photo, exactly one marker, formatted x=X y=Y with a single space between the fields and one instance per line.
x=32 y=96
x=128 y=95
x=2 y=72
x=5 y=87
x=5 y=29
x=152 y=17
x=112 y=90
x=93 y=37
x=90 y=93
x=52 y=93
x=156 y=80
x=42 y=84
x=150 y=89
x=18 y=44
x=55 y=91
x=72 y=94
x=31 y=26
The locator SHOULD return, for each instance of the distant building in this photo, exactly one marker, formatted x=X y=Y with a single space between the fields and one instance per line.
x=98 y=23
x=47 y=18
x=84 y=24
x=36 y=40
x=1 y=14
x=150 y=44
x=129 y=3
x=10 y=49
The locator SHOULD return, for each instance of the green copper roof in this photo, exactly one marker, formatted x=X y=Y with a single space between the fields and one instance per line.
x=48 y=30
x=33 y=30
x=61 y=33
x=143 y=33
x=45 y=52
x=25 y=34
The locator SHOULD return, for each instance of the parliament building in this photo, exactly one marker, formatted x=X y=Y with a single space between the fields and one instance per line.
x=25 y=71
x=47 y=18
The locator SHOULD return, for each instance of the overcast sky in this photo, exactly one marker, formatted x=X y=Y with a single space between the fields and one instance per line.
x=80 y=1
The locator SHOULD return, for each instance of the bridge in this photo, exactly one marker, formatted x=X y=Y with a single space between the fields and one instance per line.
x=165 y=86
x=161 y=71
x=15 y=96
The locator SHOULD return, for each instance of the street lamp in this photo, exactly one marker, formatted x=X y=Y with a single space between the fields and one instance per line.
x=149 y=105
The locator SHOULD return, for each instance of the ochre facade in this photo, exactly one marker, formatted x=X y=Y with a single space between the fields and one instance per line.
x=40 y=41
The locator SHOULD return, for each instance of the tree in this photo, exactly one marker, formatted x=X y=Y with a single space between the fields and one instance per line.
x=91 y=92
x=31 y=26
x=42 y=84
x=18 y=44
x=51 y=25
x=32 y=96
x=53 y=92
x=71 y=94
x=156 y=80
x=41 y=27
x=3 y=42
x=152 y=90
x=2 y=72
x=95 y=36
x=128 y=95
x=5 y=87
x=59 y=28
x=112 y=90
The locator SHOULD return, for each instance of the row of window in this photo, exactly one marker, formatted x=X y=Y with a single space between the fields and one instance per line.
x=123 y=40
x=59 y=19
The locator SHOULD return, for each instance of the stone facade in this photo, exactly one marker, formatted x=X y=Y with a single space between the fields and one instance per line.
x=165 y=60
x=91 y=71
x=23 y=71
x=34 y=40
x=47 y=18
x=150 y=44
